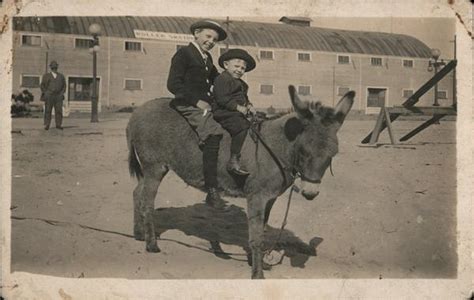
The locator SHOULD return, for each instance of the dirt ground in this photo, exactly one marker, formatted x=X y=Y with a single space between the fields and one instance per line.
x=388 y=212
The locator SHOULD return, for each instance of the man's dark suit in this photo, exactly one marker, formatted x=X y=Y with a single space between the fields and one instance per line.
x=52 y=90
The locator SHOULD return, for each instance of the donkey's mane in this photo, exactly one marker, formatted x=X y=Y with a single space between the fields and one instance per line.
x=324 y=112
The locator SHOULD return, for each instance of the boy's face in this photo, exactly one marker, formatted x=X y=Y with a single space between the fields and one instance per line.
x=236 y=67
x=206 y=38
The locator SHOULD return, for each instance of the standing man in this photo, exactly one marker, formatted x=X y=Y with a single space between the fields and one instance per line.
x=190 y=79
x=53 y=86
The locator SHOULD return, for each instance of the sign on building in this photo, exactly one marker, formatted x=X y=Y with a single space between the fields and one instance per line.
x=167 y=36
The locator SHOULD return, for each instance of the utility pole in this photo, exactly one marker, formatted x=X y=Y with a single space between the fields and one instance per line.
x=227 y=23
x=94 y=29
x=454 y=77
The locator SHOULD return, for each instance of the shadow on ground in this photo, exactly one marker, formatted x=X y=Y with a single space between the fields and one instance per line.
x=230 y=227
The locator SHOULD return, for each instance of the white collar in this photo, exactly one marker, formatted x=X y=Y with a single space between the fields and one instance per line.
x=204 y=55
x=54 y=74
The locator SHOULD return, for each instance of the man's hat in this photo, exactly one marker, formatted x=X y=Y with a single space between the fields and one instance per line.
x=240 y=54
x=211 y=25
x=53 y=63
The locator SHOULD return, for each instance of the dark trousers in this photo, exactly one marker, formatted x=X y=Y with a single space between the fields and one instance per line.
x=238 y=141
x=57 y=103
x=210 y=156
x=210 y=135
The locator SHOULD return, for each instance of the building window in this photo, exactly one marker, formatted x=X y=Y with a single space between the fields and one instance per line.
x=342 y=90
x=31 y=40
x=343 y=59
x=442 y=94
x=304 y=56
x=179 y=47
x=133 y=84
x=266 y=54
x=133 y=46
x=376 y=61
x=266 y=89
x=407 y=93
x=304 y=90
x=30 y=81
x=408 y=63
x=83 y=43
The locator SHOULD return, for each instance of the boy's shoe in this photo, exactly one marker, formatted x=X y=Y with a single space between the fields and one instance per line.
x=233 y=166
x=214 y=200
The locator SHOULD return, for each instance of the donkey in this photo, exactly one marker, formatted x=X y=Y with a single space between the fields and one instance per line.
x=304 y=141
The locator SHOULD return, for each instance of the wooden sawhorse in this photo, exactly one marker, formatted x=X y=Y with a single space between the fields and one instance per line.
x=388 y=114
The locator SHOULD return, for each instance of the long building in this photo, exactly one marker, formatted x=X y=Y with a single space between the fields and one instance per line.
x=135 y=54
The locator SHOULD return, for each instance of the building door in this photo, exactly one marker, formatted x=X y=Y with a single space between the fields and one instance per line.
x=80 y=93
x=376 y=98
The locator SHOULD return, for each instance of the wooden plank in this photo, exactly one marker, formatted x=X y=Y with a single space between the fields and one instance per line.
x=423 y=110
x=378 y=127
x=393 y=117
x=429 y=84
x=389 y=125
x=422 y=127
x=415 y=97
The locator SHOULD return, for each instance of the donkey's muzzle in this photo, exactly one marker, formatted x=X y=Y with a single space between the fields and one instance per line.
x=309 y=195
x=309 y=189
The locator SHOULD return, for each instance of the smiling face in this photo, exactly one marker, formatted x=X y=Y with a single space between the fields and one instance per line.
x=206 y=38
x=236 y=67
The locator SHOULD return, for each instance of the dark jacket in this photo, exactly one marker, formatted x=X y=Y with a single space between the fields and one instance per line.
x=230 y=92
x=190 y=79
x=53 y=87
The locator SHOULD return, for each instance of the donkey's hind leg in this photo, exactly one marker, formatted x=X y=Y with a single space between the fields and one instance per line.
x=138 y=219
x=151 y=183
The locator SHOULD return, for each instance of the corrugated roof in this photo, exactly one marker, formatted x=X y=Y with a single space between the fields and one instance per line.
x=241 y=33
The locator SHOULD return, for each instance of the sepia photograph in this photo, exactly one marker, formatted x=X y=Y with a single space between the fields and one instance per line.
x=184 y=146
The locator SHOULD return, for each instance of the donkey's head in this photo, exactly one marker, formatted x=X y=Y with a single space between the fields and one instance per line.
x=313 y=132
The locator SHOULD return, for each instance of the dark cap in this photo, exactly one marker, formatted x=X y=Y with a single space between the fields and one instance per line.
x=240 y=54
x=53 y=63
x=210 y=25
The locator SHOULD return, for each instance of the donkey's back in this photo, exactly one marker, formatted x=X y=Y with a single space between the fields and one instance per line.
x=158 y=137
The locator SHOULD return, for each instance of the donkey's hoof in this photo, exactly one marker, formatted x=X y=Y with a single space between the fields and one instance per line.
x=153 y=248
x=258 y=275
x=266 y=267
x=139 y=236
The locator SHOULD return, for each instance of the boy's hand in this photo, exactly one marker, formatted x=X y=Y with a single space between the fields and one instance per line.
x=242 y=109
x=251 y=109
x=203 y=105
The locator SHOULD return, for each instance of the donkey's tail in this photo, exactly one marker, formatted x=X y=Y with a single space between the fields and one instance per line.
x=134 y=165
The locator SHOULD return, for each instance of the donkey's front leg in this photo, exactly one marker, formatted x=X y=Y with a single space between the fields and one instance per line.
x=255 y=213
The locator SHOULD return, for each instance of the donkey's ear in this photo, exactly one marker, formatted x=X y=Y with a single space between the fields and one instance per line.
x=301 y=108
x=344 y=106
x=293 y=127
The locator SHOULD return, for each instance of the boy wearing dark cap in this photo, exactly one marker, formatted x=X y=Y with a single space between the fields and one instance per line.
x=232 y=102
x=190 y=79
